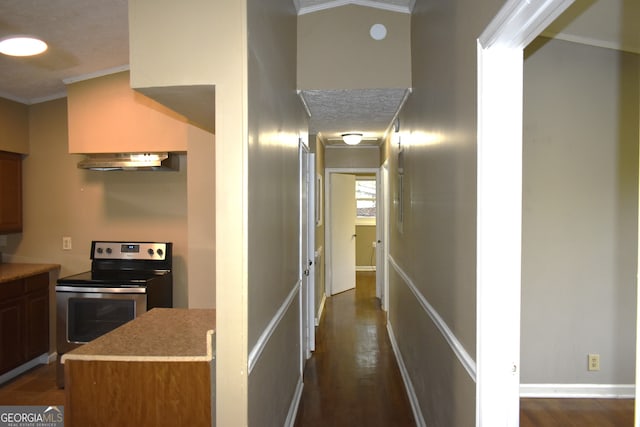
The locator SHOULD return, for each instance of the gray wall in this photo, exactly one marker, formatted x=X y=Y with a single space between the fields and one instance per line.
x=352 y=157
x=435 y=251
x=334 y=48
x=580 y=198
x=275 y=120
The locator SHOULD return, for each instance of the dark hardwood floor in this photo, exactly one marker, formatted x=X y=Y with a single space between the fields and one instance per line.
x=576 y=412
x=352 y=379
x=35 y=387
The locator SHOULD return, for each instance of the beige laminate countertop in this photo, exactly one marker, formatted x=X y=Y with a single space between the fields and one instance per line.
x=15 y=271
x=162 y=334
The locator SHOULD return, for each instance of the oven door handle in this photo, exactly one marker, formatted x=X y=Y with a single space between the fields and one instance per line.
x=80 y=289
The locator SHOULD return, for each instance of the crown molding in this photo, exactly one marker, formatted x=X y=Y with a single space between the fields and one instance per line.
x=365 y=3
x=93 y=75
x=593 y=42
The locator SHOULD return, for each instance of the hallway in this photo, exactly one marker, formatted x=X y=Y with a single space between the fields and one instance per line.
x=352 y=379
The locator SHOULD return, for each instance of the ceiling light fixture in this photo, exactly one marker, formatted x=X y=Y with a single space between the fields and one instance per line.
x=378 y=32
x=352 y=138
x=22 y=46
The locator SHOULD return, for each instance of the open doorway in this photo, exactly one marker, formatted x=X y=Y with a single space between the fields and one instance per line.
x=580 y=214
x=355 y=368
x=366 y=222
x=366 y=236
x=499 y=201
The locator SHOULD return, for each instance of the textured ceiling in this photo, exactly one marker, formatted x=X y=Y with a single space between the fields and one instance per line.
x=90 y=37
x=84 y=37
x=367 y=111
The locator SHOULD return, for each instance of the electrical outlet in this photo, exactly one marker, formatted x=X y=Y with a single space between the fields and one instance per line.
x=593 y=362
x=66 y=243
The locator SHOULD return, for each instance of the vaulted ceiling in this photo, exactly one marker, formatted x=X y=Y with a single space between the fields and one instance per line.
x=308 y=6
x=91 y=36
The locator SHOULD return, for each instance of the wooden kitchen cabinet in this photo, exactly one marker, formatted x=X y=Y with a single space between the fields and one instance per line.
x=12 y=325
x=37 y=315
x=156 y=370
x=24 y=320
x=11 y=339
x=10 y=192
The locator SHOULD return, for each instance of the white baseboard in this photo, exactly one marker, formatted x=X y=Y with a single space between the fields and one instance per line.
x=365 y=268
x=408 y=385
x=558 y=391
x=43 y=359
x=293 y=408
x=320 y=309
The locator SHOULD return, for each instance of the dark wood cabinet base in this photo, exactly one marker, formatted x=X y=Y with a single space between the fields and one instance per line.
x=24 y=320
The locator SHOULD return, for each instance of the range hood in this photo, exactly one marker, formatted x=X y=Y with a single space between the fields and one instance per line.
x=131 y=162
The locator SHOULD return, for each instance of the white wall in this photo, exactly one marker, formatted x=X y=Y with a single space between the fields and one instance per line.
x=580 y=199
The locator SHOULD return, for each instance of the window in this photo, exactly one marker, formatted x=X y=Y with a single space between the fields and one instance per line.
x=366 y=200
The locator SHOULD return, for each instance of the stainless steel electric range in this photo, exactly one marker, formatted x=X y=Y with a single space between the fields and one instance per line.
x=126 y=280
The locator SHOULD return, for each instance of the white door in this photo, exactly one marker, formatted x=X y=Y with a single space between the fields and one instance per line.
x=306 y=327
x=343 y=232
x=381 y=244
x=311 y=250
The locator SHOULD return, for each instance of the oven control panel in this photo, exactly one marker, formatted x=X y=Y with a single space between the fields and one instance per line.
x=129 y=250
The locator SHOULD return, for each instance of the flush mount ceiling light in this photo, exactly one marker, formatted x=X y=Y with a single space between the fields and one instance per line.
x=352 y=138
x=22 y=46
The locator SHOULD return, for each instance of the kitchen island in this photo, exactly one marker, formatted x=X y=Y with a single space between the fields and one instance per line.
x=158 y=369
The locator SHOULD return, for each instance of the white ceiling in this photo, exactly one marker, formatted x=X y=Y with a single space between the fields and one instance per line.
x=90 y=37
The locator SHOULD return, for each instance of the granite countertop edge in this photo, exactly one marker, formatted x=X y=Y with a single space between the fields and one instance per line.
x=160 y=335
x=16 y=271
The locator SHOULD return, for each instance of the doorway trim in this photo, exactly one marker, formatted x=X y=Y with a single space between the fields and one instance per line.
x=499 y=204
x=306 y=274
x=382 y=233
x=328 y=274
